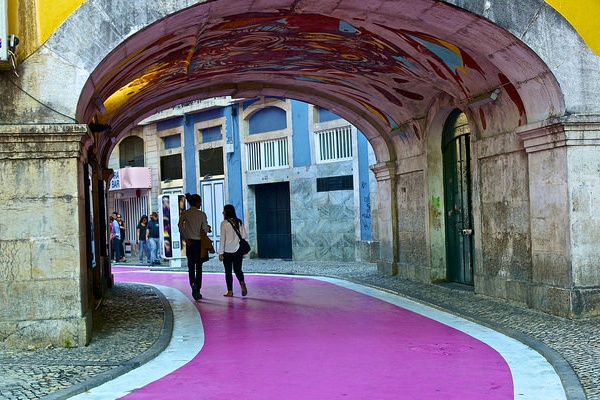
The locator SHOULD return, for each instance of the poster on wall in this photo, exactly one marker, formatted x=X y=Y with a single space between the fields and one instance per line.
x=182 y=203
x=3 y=31
x=169 y=211
x=90 y=195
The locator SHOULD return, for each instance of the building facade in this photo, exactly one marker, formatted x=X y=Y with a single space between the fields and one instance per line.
x=297 y=174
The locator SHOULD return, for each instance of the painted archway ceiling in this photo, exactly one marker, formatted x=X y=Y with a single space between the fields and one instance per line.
x=379 y=73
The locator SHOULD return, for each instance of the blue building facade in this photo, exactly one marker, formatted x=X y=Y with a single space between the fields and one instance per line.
x=298 y=175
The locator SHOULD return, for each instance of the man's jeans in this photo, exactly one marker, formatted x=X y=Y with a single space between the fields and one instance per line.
x=117 y=248
x=154 y=249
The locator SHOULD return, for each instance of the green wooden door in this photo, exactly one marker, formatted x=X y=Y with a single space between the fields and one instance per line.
x=457 y=199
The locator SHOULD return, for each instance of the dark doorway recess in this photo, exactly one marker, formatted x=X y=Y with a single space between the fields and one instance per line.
x=273 y=220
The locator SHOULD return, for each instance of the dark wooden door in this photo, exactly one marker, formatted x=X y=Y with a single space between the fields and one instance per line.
x=457 y=199
x=273 y=220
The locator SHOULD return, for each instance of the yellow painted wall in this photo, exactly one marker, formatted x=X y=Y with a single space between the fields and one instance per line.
x=34 y=21
x=52 y=13
x=584 y=16
x=49 y=14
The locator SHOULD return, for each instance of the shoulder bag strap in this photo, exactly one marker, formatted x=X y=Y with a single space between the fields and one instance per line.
x=235 y=229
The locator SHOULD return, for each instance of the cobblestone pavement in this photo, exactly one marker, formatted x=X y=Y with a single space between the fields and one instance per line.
x=134 y=323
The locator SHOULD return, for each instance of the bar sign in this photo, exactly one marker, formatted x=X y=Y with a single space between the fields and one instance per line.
x=3 y=31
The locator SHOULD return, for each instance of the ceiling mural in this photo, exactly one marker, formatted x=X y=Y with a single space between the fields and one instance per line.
x=379 y=75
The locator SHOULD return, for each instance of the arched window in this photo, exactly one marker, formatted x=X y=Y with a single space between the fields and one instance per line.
x=131 y=152
x=267 y=120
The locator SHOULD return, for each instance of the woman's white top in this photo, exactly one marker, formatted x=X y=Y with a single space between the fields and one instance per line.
x=229 y=241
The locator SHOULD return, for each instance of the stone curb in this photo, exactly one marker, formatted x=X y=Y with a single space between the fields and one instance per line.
x=158 y=347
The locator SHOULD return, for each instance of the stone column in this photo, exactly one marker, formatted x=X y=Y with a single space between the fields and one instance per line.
x=43 y=277
x=385 y=173
x=564 y=184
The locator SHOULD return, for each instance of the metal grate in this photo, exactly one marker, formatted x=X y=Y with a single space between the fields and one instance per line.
x=268 y=154
x=334 y=144
x=132 y=210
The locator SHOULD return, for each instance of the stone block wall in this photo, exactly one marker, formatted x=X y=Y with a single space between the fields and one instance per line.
x=412 y=235
x=43 y=290
x=506 y=244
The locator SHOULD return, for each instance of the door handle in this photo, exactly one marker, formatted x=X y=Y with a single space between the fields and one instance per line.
x=467 y=232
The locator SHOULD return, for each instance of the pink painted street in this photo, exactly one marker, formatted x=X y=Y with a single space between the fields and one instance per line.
x=309 y=338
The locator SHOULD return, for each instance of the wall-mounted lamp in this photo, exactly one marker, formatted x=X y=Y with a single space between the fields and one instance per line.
x=484 y=98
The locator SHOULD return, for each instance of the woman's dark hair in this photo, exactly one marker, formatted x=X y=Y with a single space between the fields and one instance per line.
x=143 y=217
x=229 y=213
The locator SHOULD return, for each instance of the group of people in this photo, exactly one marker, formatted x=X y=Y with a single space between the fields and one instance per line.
x=147 y=238
x=193 y=227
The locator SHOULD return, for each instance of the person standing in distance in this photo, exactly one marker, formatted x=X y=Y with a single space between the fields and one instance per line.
x=153 y=238
x=228 y=249
x=141 y=236
x=122 y=227
x=115 y=235
x=191 y=222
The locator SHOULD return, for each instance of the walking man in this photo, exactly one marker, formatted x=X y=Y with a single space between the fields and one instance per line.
x=153 y=237
x=191 y=222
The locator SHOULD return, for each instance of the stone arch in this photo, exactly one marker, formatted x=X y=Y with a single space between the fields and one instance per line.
x=116 y=46
x=113 y=63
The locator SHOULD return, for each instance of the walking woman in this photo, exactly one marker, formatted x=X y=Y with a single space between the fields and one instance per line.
x=143 y=245
x=232 y=230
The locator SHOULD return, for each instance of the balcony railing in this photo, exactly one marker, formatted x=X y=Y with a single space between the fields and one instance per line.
x=333 y=144
x=268 y=154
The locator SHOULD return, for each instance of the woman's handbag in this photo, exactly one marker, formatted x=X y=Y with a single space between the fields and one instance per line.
x=244 y=245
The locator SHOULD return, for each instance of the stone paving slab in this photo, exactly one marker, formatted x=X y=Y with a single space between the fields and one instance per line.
x=133 y=325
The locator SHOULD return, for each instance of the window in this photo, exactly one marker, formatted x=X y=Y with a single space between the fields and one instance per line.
x=211 y=162
x=332 y=183
x=333 y=144
x=268 y=154
x=170 y=167
x=172 y=141
x=268 y=119
x=131 y=152
x=325 y=115
x=211 y=134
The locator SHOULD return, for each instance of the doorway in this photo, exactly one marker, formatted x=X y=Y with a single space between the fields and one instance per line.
x=273 y=220
x=213 y=199
x=457 y=198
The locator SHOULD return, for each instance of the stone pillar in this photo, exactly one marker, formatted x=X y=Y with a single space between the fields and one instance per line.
x=43 y=277
x=564 y=185
x=385 y=173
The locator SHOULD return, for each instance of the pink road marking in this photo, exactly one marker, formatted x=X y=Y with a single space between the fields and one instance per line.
x=300 y=338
